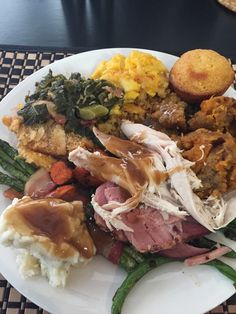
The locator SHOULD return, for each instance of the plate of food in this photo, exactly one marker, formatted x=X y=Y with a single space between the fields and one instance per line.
x=118 y=179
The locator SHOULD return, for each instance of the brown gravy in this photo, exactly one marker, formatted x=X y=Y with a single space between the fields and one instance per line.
x=47 y=220
x=55 y=220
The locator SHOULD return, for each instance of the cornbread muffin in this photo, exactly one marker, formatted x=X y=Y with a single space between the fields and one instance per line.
x=200 y=74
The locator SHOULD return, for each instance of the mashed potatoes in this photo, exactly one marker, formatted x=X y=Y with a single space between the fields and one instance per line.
x=50 y=236
x=139 y=71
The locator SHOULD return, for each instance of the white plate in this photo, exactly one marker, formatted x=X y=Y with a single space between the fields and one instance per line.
x=172 y=288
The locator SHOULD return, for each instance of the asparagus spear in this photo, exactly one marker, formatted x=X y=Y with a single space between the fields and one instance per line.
x=134 y=276
x=13 y=183
x=30 y=169
x=9 y=160
x=11 y=156
x=13 y=171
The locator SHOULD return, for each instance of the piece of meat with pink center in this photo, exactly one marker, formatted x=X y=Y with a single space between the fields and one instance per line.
x=106 y=192
x=152 y=231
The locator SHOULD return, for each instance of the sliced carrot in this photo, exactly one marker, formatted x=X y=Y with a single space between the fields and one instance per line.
x=65 y=192
x=69 y=193
x=11 y=194
x=61 y=173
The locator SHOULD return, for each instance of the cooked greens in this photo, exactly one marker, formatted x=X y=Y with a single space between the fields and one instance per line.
x=34 y=113
x=81 y=101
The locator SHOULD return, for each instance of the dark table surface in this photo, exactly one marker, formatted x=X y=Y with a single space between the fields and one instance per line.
x=170 y=26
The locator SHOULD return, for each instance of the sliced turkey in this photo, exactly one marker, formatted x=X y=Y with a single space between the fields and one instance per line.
x=212 y=213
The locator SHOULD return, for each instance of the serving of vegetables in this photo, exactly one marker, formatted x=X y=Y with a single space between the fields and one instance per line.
x=69 y=183
x=137 y=265
x=73 y=102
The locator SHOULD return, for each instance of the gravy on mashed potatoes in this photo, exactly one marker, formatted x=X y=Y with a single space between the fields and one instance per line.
x=51 y=235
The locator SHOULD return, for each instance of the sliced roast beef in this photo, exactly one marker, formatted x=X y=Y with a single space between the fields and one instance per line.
x=152 y=231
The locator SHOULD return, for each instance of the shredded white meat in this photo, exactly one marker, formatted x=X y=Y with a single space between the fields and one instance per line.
x=153 y=153
x=213 y=213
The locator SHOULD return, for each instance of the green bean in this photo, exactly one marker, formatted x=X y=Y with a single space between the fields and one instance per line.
x=13 y=171
x=133 y=277
x=225 y=269
x=127 y=262
x=13 y=183
x=138 y=257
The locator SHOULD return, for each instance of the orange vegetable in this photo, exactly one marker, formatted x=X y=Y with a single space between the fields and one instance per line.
x=65 y=192
x=61 y=173
x=69 y=193
x=11 y=194
x=85 y=178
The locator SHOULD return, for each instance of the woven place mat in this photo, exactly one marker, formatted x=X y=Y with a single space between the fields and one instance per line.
x=14 y=67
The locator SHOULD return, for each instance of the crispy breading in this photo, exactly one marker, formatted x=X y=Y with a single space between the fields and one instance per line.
x=42 y=143
x=39 y=159
x=13 y=123
x=47 y=138
x=74 y=140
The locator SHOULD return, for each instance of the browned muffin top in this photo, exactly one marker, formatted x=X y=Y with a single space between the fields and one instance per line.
x=199 y=74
